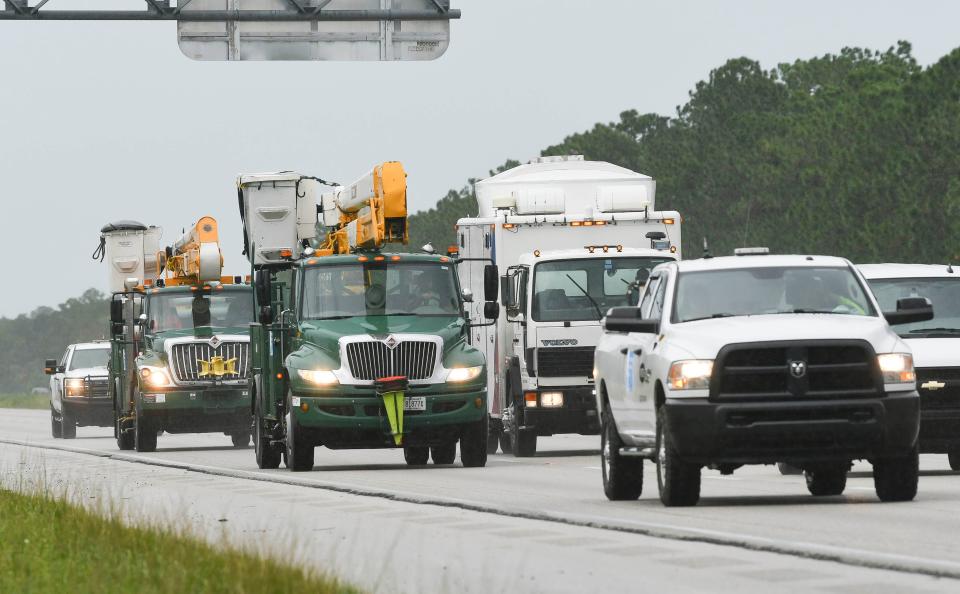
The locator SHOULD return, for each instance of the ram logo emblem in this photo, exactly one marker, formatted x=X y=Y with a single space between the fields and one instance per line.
x=798 y=369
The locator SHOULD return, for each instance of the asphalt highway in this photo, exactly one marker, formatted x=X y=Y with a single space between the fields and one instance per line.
x=535 y=524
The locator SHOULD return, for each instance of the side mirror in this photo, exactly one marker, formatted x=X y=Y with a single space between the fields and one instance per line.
x=116 y=311
x=266 y=314
x=50 y=366
x=491 y=282
x=909 y=310
x=491 y=310
x=627 y=319
x=467 y=296
x=262 y=287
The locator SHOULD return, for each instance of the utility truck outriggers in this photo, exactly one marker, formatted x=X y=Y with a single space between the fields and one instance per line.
x=179 y=342
x=574 y=238
x=355 y=347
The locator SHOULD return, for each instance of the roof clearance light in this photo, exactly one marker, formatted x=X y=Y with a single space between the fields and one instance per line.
x=673 y=249
x=588 y=223
x=590 y=248
x=599 y=223
x=509 y=225
x=444 y=259
x=362 y=259
x=286 y=254
x=536 y=253
x=576 y=223
x=751 y=251
x=668 y=221
x=394 y=258
x=378 y=259
x=620 y=248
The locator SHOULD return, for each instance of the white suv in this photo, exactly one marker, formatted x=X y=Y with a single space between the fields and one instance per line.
x=79 y=388
x=756 y=360
x=935 y=345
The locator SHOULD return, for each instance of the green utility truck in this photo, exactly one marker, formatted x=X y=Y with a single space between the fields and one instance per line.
x=354 y=347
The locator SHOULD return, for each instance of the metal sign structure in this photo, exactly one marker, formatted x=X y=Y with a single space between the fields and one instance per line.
x=369 y=30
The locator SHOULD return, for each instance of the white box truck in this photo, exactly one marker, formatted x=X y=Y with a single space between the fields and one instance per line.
x=572 y=238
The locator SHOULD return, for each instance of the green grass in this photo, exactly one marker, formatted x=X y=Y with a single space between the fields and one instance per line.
x=34 y=401
x=50 y=546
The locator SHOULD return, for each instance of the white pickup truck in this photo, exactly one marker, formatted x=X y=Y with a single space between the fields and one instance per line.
x=756 y=360
x=935 y=345
x=79 y=388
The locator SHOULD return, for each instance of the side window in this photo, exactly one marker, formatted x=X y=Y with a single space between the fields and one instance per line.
x=656 y=309
x=652 y=285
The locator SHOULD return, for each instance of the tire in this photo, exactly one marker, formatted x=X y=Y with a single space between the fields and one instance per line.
x=240 y=439
x=788 y=469
x=954 y=459
x=124 y=438
x=144 y=433
x=68 y=424
x=445 y=454
x=299 y=453
x=827 y=481
x=55 y=428
x=473 y=444
x=678 y=481
x=895 y=479
x=268 y=455
x=622 y=475
x=416 y=455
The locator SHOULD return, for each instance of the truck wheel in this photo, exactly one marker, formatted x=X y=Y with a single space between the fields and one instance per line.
x=678 y=481
x=788 y=469
x=895 y=479
x=55 y=427
x=473 y=444
x=416 y=455
x=68 y=424
x=445 y=454
x=144 y=433
x=268 y=455
x=240 y=439
x=954 y=459
x=826 y=481
x=124 y=438
x=299 y=452
x=622 y=475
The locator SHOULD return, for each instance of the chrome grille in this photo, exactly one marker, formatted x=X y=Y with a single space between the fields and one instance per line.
x=187 y=356
x=371 y=360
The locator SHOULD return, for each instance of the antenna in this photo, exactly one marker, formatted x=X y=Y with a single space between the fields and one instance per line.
x=949 y=268
x=706 y=249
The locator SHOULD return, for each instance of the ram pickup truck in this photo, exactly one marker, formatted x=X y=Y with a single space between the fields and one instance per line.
x=757 y=359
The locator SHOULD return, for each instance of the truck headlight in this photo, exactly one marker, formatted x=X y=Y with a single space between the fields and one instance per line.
x=897 y=368
x=154 y=377
x=551 y=399
x=318 y=377
x=74 y=386
x=693 y=374
x=464 y=374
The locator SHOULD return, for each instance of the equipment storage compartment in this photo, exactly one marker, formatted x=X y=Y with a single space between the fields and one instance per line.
x=269 y=202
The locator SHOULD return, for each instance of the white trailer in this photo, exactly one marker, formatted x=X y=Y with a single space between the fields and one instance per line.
x=571 y=238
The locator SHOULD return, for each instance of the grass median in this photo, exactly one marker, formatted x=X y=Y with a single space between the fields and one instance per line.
x=50 y=546
x=33 y=401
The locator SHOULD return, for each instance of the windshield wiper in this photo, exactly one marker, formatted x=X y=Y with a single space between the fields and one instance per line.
x=934 y=331
x=587 y=295
x=712 y=316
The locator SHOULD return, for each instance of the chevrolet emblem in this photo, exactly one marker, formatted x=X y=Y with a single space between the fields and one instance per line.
x=932 y=385
x=217 y=366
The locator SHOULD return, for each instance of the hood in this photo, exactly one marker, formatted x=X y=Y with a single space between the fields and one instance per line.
x=98 y=371
x=705 y=338
x=326 y=334
x=159 y=339
x=935 y=352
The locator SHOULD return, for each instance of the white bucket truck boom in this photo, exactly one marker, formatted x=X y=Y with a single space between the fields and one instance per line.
x=574 y=239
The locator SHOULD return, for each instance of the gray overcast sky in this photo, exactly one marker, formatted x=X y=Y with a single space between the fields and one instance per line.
x=104 y=121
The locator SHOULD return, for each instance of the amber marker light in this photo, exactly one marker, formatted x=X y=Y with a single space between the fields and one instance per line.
x=286 y=254
x=280 y=376
x=362 y=259
x=530 y=398
x=379 y=259
x=304 y=406
x=509 y=225
x=394 y=258
x=668 y=221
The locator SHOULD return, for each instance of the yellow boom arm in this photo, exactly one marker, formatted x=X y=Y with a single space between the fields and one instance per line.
x=372 y=211
x=196 y=257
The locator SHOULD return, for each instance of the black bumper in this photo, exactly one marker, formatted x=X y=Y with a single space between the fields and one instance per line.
x=577 y=415
x=708 y=432
x=939 y=430
x=89 y=412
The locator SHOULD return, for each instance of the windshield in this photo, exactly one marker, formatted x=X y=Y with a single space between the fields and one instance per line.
x=769 y=290
x=582 y=290
x=380 y=289
x=944 y=293
x=85 y=358
x=176 y=311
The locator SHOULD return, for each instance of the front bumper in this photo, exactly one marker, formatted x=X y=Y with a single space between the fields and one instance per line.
x=89 y=412
x=355 y=417
x=212 y=410
x=708 y=432
x=577 y=415
x=939 y=429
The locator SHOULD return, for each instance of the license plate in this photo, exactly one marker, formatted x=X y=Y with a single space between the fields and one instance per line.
x=415 y=403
